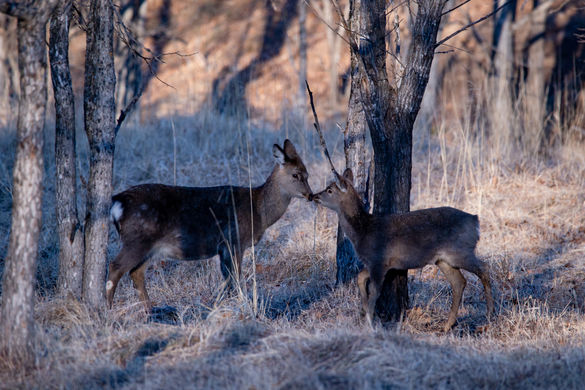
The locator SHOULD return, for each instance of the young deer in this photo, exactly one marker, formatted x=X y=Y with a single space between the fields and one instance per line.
x=192 y=223
x=443 y=236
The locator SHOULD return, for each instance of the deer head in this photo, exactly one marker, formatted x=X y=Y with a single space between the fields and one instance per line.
x=339 y=194
x=291 y=173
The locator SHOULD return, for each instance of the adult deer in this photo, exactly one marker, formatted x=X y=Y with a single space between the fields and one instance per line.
x=443 y=236
x=194 y=223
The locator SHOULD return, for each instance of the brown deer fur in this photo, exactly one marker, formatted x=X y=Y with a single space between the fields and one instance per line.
x=443 y=236
x=192 y=223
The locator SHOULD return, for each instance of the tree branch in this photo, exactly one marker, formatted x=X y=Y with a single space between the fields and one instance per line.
x=128 y=109
x=472 y=24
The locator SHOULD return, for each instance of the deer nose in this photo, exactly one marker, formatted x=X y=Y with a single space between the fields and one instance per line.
x=310 y=197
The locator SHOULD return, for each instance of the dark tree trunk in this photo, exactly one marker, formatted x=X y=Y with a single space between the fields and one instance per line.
x=390 y=114
x=501 y=100
x=356 y=152
x=99 y=108
x=71 y=246
x=393 y=144
x=16 y=319
x=8 y=66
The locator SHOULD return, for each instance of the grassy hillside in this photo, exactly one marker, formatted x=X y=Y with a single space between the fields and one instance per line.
x=302 y=332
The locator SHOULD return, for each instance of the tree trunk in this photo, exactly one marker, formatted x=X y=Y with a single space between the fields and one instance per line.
x=535 y=98
x=71 y=246
x=8 y=66
x=502 y=108
x=130 y=79
x=390 y=114
x=394 y=155
x=356 y=154
x=302 y=97
x=99 y=107
x=16 y=319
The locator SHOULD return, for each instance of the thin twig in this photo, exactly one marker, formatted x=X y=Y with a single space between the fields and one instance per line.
x=472 y=24
x=318 y=128
x=128 y=109
x=136 y=47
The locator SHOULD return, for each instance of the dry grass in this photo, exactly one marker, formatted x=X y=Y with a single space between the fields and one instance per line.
x=303 y=333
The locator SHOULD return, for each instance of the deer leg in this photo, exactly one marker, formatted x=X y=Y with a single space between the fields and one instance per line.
x=230 y=266
x=137 y=275
x=458 y=283
x=477 y=267
x=362 y=281
x=374 y=293
x=126 y=260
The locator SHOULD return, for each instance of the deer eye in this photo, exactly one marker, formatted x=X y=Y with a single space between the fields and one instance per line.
x=329 y=191
x=295 y=176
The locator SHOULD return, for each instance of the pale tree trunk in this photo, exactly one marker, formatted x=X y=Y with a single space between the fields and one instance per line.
x=16 y=319
x=99 y=110
x=390 y=114
x=502 y=111
x=333 y=55
x=333 y=30
x=71 y=246
x=356 y=152
x=535 y=100
x=302 y=98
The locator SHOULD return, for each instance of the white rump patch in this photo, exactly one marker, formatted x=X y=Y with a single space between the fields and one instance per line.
x=109 y=285
x=116 y=211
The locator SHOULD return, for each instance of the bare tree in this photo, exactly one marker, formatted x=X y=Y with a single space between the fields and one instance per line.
x=390 y=111
x=99 y=111
x=71 y=245
x=16 y=319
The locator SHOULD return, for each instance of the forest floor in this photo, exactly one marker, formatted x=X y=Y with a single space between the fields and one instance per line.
x=296 y=329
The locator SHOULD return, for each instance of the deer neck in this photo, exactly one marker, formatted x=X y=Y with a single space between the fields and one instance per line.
x=354 y=219
x=269 y=202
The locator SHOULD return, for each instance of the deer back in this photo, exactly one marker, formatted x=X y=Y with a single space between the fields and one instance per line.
x=418 y=238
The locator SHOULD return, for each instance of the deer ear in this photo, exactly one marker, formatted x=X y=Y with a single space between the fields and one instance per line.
x=348 y=175
x=289 y=150
x=340 y=182
x=278 y=154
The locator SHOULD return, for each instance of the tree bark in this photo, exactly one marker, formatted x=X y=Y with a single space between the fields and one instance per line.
x=71 y=246
x=99 y=110
x=16 y=319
